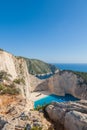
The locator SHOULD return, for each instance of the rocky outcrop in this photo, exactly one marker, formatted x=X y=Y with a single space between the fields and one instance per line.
x=70 y=116
x=65 y=82
x=77 y=121
x=7 y=63
x=17 y=69
x=16 y=113
x=61 y=83
x=68 y=82
x=20 y=68
x=37 y=67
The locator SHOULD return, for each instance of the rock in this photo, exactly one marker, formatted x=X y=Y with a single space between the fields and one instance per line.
x=23 y=116
x=2 y=123
x=37 y=124
x=40 y=111
x=62 y=83
x=75 y=121
x=28 y=127
x=35 y=120
x=8 y=127
x=12 y=110
x=71 y=115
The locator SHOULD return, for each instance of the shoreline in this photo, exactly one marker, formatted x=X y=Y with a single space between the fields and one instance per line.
x=38 y=95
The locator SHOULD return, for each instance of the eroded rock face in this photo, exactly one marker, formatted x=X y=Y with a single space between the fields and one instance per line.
x=7 y=63
x=68 y=82
x=71 y=115
x=75 y=121
x=60 y=84
x=16 y=114
x=17 y=69
x=64 y=83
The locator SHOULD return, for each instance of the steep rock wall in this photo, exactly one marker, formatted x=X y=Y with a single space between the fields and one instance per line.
x=61 y=83
x=68 y=116
x=65 y=83
x=17 y=68
x=7 y=63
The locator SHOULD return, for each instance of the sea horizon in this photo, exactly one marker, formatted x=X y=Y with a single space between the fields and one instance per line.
x=80 y=67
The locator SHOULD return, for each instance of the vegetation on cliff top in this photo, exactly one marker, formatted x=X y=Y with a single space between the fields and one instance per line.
x=8 y=89
x=83 y=75
x=19 y=81
x=39 y=67
x=4 y=75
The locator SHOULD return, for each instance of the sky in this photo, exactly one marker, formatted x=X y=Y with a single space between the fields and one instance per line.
x=54 y=31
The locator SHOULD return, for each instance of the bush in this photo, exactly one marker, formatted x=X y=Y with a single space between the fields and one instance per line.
x=36 y=128
x=2 y=87
x=4 y=75
x=11 y=91
x=41 y=107
x=8 y=90
x=83 y=75
x=19 y=81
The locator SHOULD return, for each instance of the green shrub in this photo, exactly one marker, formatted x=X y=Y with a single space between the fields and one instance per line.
x=36 y=128
x=9 y=90
x=2 y=87
x=19 y=81
x=41 y=107
x=4 y=75
x=83 y=75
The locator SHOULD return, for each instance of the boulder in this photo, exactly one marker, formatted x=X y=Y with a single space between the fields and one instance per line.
x=71 y=115
x=75 y=121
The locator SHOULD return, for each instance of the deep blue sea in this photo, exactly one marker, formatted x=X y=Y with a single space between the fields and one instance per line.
x=74 y=67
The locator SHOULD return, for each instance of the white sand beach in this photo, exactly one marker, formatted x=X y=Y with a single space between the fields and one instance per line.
x=37 y=95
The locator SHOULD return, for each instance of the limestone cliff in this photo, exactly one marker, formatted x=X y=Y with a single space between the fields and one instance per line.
x=60 y=83
x=65 y=82
x=22 y=71
x=17 y=69
x=68 y=116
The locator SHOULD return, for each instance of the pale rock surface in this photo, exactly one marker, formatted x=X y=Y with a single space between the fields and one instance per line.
x=60 y=84
x=7 y=63
x=75 y=121
x=64 y=83
x=17 y=68
x=15 y=114
x=71 y=115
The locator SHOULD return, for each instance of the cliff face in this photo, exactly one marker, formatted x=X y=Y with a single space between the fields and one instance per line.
x=24 y=70
x=7 y=63
x=37 y=67
x=68 y=82
x=60 y=83
x=65 y=82
x=68 y=116
x=17 y=68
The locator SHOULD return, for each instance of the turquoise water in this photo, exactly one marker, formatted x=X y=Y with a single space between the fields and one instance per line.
x=54 y=98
